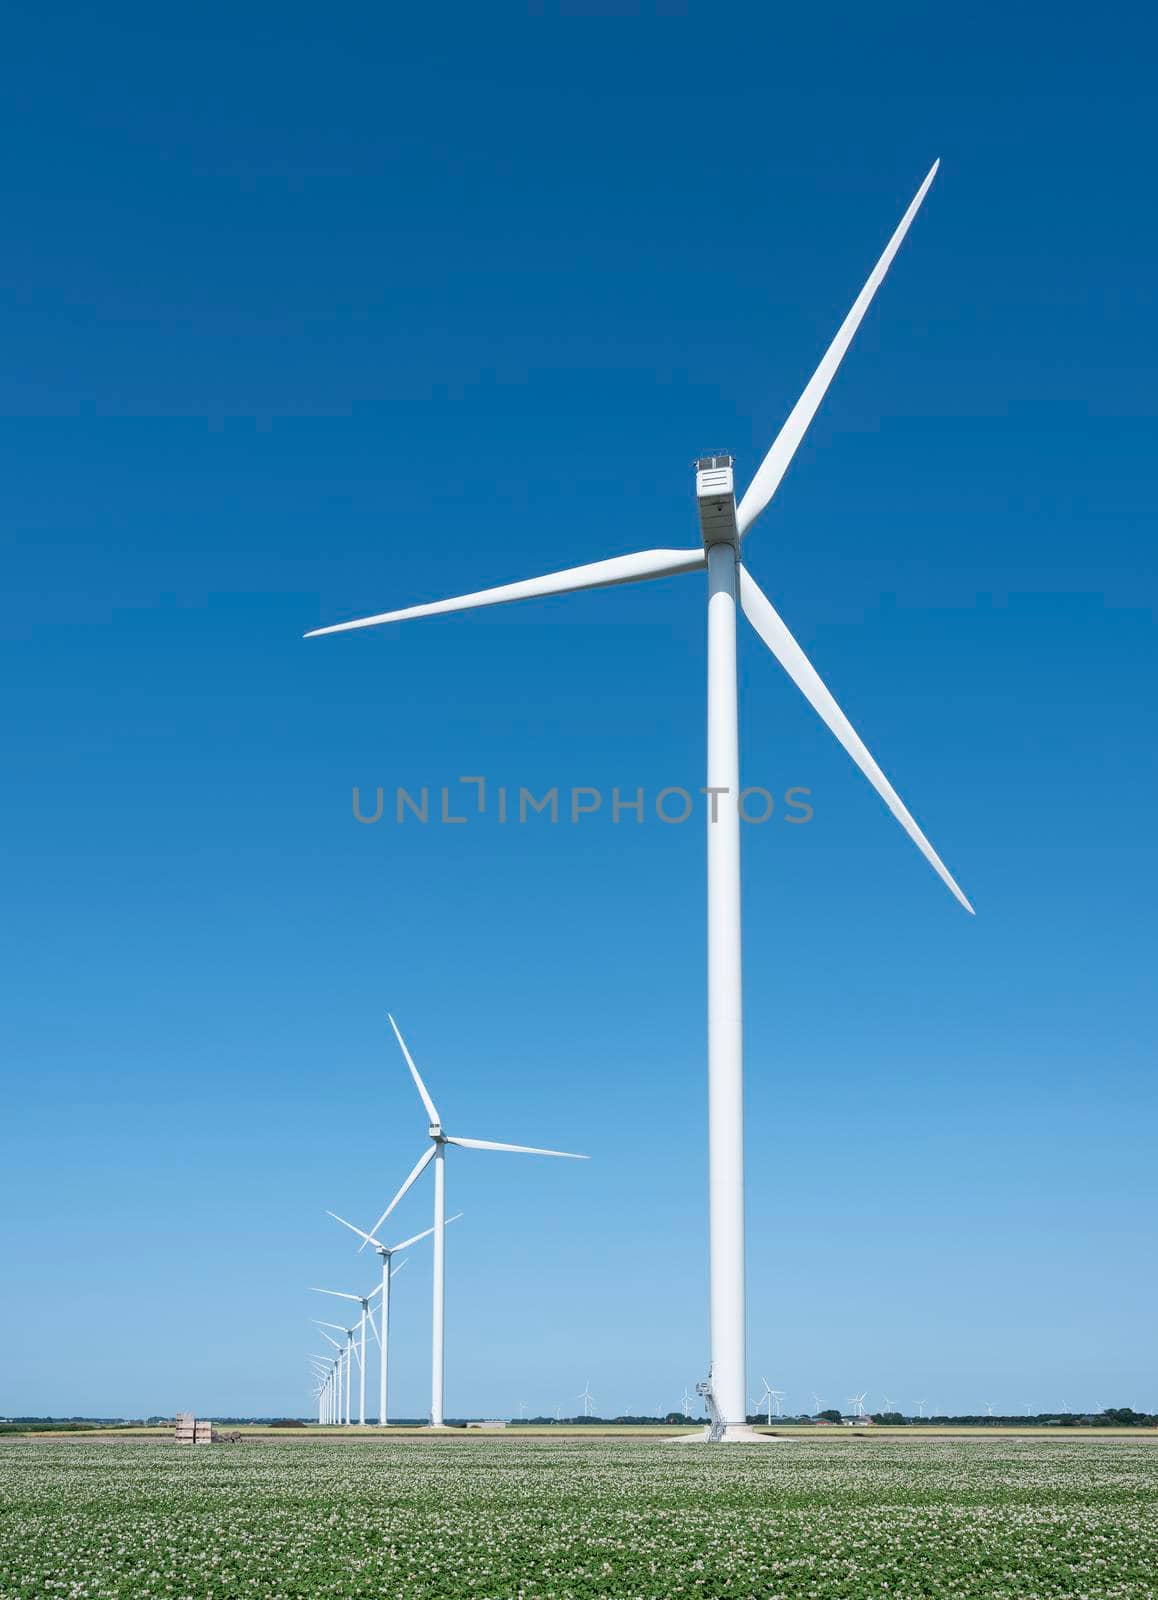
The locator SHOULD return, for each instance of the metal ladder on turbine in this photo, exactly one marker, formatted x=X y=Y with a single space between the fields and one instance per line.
x=716 y=1423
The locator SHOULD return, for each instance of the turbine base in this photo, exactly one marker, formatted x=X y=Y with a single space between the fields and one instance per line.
x=735 y=1433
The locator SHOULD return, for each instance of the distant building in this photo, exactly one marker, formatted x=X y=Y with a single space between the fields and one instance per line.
x=495 y=1424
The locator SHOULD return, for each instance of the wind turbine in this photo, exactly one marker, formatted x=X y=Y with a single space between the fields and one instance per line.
x=385 y=1252
x=336 y=1374
x=766 y=1399
x=436 y=1152
x=687 y=1402
x=921 y=1404
x=364 y=1301
x=586 y=1398
x=816 y=1402
x=723 y=526
x=322 y=1367
x=347 y=1357
x=856 y=1401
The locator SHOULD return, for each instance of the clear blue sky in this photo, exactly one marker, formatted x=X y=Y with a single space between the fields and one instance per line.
x=309 y=314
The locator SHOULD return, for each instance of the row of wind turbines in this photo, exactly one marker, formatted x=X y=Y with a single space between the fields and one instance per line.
x=333 y=1372
x=731 y=592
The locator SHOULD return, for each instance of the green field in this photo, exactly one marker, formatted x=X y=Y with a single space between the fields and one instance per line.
x=502 y=1518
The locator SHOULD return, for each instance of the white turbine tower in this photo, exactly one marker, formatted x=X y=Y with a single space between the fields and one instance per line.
x=436 y=1152
x=723 y=526
x=586 y=1398
x=688 y=1398
x=386 y=1252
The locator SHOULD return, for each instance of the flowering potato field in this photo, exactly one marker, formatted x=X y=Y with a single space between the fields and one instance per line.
x=496 y=1519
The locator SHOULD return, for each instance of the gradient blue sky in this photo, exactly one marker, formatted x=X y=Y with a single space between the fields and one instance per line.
x=307 y=314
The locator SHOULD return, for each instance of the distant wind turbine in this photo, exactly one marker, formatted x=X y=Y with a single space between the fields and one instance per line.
x=346 y=1357
x=586 y=1398
x=436 y=1152
x=364 y=1301
x=386 y=1253
x=723 y=526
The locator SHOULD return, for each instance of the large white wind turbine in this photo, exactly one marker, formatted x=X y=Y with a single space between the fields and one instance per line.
x=386 y=1252
x=723 y=526
x=436 y=1152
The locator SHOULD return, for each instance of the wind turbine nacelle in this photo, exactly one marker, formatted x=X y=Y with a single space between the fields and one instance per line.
x=716 y=499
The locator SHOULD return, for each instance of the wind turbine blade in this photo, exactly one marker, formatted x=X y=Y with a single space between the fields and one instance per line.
x=326 y=1336
x=634 y=568
x=775 y=464
x=415 y=1171
x=517 y=1149
x=431 y=1108
x=341 y=1293
x=374 y=1326
x=762 y=615
x=394 y=1271
x=367 y=1237
x=425 y=1234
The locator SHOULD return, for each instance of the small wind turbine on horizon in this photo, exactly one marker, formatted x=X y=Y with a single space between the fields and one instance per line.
x=765 y=1400
x=586 y=1398
x=436 y=1152
x=723 y=527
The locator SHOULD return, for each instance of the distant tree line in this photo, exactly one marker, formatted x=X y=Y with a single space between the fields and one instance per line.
x=1110 y=1417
